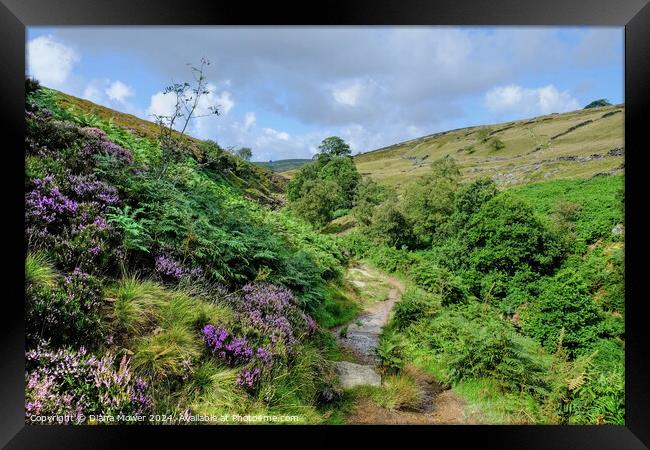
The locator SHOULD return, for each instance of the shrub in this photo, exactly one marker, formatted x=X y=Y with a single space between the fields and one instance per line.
x=438 y=280
x=369 y=194
x=496 y=144
x=318 y=202
x=414 y=305
x=76 y=384
x=69 y=313
x=563 y=308
x=430 y=201
x=390 y=226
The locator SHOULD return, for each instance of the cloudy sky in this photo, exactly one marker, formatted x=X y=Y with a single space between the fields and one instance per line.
x=281 y=90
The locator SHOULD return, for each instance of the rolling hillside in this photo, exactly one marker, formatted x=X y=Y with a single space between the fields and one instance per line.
x=256 y=182
x=577 y=144
x=283 y=165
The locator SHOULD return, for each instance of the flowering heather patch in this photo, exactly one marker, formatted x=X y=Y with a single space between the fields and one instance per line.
x=273 y=311
x=170 y=268
x=248 y=378
x=100 y=145
x=89 y=188
x=74 y=383
x=69 y=313
x=46 y=205
x=233 y=350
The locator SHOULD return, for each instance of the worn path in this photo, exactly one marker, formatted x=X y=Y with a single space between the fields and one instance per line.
x=360 y=338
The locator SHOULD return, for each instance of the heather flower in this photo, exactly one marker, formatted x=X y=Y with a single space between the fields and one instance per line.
x=65 y=382
x=46 y=205
x=232 y=349
x=98 y=145
x=169 y=267
x=248 y=378
x=264 y=356
x=88 y=187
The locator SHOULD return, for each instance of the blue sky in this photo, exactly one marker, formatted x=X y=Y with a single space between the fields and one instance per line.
x=281 y=90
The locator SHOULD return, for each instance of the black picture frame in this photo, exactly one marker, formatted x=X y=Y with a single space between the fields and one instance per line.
x=634 y=15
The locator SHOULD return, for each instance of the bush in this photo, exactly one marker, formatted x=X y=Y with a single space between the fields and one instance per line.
x=390 y=226
x=66 y=314
x=369 y=194
x=496 y=144
x=76 y=384
x=414 y=305
x=429 y=202
x=438 y=280
x=318 y=202
x=563 y=308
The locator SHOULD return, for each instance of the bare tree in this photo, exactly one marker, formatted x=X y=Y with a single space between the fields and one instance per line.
x=172 y=127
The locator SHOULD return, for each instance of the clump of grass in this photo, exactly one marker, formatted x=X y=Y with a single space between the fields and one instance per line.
x=132 y=305
x=166 y=354
x=39 y=271
x=212 y=390
x=399 y=392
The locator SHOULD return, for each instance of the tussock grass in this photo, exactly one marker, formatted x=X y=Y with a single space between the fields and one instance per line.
x=399 y=392
x=39 y=271
x=167 y=353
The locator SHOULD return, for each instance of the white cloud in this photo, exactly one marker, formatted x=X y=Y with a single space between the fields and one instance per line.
x=348 y=95
x=119 y=91
x=274 y=134
x=161 y=104
x=49 y=61
x=224 y=101
x=249 y=120
x=517 y=100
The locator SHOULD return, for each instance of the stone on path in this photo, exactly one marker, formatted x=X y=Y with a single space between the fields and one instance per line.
x=351 y=374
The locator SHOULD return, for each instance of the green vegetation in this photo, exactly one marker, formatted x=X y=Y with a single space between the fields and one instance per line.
x=515 y=297
x=170 y=263
x=325 y=188
x=598 y=103
x=160 y=253
x=282 y=165
x=528 y=153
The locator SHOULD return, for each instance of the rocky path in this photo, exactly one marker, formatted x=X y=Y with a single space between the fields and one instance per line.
x=360 y=338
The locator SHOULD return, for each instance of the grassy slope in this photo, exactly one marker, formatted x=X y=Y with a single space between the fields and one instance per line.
x=283 y=165
x=260 y=183
x=518 y=162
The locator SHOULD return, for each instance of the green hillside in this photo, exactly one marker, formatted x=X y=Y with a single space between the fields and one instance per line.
x=487 y=288
x=576 y=144
x=282 y=165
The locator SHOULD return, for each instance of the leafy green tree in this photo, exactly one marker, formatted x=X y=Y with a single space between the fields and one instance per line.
x=369 y=194
x=334 y=146
x=318 y=201
x=390 y=226
x=342 y=171
x=306 y=173
x=506 y=235
x=245 y=153
x=598 y=103
x=468 y=201
x=429 y=202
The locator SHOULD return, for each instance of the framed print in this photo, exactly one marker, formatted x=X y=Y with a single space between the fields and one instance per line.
x=364 y=218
